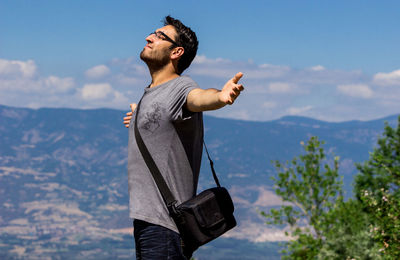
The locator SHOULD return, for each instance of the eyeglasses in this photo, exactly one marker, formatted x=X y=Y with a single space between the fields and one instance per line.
x=162 y=36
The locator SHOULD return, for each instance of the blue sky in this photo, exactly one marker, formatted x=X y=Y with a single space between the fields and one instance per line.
x=330 y=60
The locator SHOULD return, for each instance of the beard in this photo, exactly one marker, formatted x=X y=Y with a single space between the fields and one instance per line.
x=155 y=60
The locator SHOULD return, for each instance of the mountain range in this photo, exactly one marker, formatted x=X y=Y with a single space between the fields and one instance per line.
x=63 y=179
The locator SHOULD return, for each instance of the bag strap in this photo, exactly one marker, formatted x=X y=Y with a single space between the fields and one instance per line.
x=166 y=193
x=212 y=166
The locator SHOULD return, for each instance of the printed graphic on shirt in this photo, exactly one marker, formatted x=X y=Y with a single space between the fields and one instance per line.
x=152 y=119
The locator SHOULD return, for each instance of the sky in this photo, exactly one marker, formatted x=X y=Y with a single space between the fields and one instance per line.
x=329 y=60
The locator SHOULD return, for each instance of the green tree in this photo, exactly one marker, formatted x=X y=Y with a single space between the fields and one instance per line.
x=310 y=188
x=349 y=234
x=377 y=188
x=322 y=225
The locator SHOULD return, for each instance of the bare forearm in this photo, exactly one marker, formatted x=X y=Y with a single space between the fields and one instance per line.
x=204 y=99
x=199 y=100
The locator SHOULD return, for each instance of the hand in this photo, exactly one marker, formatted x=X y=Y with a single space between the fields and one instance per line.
x=231 y=90
x=128 y=117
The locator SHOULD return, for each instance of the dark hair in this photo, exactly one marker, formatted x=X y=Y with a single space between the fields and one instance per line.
x=187 y=39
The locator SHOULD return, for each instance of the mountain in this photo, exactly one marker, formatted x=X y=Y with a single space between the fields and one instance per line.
x=63 y=179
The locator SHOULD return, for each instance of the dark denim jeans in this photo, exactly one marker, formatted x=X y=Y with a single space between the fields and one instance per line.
x=155 y=242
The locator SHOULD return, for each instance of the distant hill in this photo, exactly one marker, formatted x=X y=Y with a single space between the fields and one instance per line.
x=63 y=179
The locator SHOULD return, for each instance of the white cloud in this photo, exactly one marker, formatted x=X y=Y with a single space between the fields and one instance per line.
x=21 y=77
x=127 y=80
x=56 y=84
x=140 y=69
x=22 y=85
x=271 y=91
x=202 y=59
x=15 y=68
x=317 y=68
x=43 y=86
x=387 y=79
x=223 y=68
x=97 y=72
x=298 y=110
x=130 y=66
x=119 y=98
x=281 y=87
x=96 y=91
x=269 y=104
x=315 y=77
x=102 y=95
x=356 y=90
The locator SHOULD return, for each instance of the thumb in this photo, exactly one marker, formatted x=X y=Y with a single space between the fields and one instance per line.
x=236 y=78
x=133 y=107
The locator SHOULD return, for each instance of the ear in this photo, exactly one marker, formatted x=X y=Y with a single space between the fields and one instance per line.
x=177 y=52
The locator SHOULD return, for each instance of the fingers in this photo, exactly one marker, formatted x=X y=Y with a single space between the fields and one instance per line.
x=235 y=92
x=127 y=119
x=232 y=89
x=238 y=88
x=133 y=106
x=237 y=77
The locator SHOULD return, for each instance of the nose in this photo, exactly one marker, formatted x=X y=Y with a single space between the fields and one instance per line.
x=150 y=38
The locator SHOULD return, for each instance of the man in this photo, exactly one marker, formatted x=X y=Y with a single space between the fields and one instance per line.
x=171 y=124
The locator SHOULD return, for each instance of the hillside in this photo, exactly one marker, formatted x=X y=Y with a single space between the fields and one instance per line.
x=63 y=188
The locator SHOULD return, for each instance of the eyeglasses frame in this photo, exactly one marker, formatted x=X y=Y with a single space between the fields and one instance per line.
x=158 y=34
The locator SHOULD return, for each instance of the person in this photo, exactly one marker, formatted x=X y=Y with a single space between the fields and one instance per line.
x=171 y=125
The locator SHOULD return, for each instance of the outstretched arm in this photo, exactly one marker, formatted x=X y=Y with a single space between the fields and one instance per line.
x=199 y=100
x=128 y=117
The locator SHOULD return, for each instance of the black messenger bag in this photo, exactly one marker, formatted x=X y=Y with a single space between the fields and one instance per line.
x=205 y=217
x=200 y=219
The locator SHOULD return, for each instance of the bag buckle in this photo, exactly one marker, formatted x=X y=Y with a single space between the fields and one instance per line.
x=172 y=209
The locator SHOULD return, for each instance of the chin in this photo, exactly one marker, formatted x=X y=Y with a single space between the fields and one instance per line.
x=143 y=56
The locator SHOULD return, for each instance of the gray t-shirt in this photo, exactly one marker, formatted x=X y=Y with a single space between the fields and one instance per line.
x=174 y=137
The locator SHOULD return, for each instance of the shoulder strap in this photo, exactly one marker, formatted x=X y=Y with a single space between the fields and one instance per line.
x=212 y=166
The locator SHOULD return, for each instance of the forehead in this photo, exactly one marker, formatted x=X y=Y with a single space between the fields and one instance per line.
x=168 y=30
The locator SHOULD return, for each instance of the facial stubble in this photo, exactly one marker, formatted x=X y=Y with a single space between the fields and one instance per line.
x=156 y=61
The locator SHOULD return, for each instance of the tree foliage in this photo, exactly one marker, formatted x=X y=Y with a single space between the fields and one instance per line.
x=322 y=225
x=377 y=187
x=349 y=235
x=310 y=187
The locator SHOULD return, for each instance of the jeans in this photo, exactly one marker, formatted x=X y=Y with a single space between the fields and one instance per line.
x=155 y=242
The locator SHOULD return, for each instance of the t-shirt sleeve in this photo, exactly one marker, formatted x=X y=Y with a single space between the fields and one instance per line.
x=178 y=98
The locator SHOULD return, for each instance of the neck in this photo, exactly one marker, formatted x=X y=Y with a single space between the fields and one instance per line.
x=162 y=75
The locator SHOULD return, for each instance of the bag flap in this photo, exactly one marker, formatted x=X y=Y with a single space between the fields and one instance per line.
x=224 y=199
x=207 y=211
